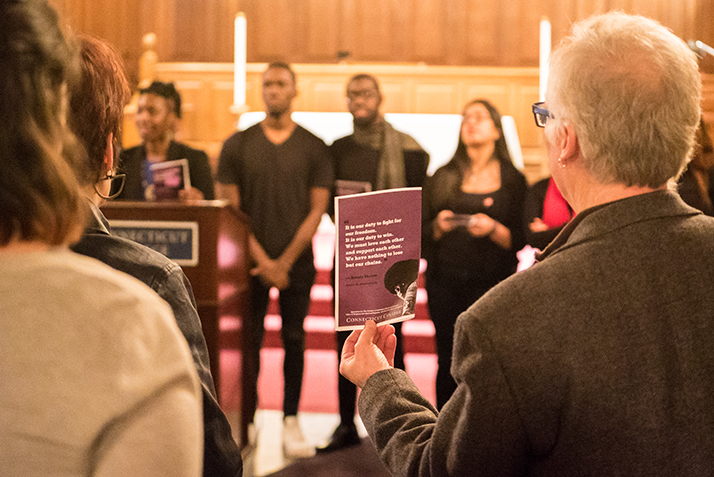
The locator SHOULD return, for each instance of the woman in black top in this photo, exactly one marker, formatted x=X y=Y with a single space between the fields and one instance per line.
x=473 y=208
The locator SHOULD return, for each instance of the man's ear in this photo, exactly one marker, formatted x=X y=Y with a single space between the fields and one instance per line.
x=569 y=143
x=108 y=160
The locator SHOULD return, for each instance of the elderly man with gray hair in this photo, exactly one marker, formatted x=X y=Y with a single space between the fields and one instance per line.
x=597 y=360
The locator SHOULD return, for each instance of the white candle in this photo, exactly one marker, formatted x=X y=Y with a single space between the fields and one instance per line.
x=544 y=53
x=239 y=60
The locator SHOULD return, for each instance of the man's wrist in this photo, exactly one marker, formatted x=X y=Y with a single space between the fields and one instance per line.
x=284 y=264
x=493 y=228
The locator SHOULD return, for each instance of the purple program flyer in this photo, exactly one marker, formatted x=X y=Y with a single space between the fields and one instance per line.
x=378 y=246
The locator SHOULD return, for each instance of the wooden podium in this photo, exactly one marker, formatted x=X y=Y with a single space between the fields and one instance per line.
x=214 y=257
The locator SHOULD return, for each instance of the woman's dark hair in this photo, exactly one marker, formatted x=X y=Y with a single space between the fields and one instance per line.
x=460 y=162
x=40 y=199
x=168 y=92
x=403 y=272
x=461 y=158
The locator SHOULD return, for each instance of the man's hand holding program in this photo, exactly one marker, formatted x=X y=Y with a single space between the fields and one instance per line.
x=368 y=351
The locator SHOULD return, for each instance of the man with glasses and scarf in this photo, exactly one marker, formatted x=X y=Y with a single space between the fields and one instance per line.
x=374 y=157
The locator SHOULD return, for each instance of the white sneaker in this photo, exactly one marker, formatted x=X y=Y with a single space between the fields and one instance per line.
x=294 y=443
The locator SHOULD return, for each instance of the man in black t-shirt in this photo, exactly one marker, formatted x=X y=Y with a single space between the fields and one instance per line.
x=380 y=157
x=280 y=175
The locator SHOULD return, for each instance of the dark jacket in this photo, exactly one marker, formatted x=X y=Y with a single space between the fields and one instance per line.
x=199 y=169
x=221 y=454
x=595 y=361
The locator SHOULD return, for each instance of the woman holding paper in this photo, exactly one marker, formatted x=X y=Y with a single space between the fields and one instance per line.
x=157 y=119
x=473 y=208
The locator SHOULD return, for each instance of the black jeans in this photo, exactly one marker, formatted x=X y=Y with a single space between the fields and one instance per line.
x=294 y=305
x=446 y=302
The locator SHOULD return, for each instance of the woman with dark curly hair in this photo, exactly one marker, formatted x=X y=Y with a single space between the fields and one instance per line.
x=472 y=228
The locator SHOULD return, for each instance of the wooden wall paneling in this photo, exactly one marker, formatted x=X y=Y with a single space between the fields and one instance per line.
x=191 y=25
x=509 y=28
x=273 y=25
x=459 y=32
x=254 y=87
x=297 y=53
x=395 y=96
x=161 y=20
x=522 y=97
x=322 y=30
x=675 y=16
x=204 y=31
x=428 y=31
x=708 y=100
x=306 y=95
x=561 y=16
x=127 y=36
x=402 y=31
x=436 y=97
x=648 y=8
x=481 y=32
x=193 y=124
x=624 y=5
x=528 y=33
x=496 y=94
x=455 y=32
x=705 y=30
x=329 y=96
x=222 y=120
x=347 y=30
x=586 y=8
x=374 y=35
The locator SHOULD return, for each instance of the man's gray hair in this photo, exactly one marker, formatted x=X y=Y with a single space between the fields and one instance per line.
x=632 y=90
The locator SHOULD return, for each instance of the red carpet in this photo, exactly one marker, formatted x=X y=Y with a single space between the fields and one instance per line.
x=319 y=393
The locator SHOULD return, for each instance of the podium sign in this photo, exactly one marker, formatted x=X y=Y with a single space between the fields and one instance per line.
x=176 y=240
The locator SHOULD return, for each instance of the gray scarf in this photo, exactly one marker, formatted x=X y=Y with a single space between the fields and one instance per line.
x=382 y=136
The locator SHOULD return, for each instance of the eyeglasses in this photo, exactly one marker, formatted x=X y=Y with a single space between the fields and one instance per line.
x=541 y=115
x=117 y=188
x=365 y=93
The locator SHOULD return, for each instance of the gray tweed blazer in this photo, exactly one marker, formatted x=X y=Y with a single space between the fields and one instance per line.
x=596 y=361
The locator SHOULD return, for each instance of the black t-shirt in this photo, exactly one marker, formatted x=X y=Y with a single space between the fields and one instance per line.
x=461 y=259
x=275 y=181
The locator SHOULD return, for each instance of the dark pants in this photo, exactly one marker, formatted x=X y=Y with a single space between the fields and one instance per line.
x=445 y=304
x=346 y=391
x=294 y=304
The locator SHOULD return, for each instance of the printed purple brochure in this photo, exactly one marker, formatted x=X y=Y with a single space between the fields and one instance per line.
x=168 y=178
x=377 y=251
